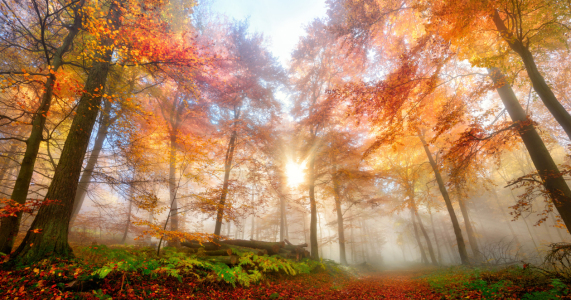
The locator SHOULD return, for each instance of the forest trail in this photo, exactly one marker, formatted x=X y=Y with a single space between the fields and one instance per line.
x=392 y=284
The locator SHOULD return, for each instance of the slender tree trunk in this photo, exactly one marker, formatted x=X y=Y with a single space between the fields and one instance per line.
x=417 y=236
x=7 y=162
x=340 y=227
x=103 y=130
x=173 y=187
x=435 y=237
x=313 y=205
x=455 y=225
x=469 y=230
x=10 y=225
x=425 y=234
x=449 y=244
x=282 y=210
x=227 y=169
x=548 y=171
x=253 y=219
x=539 y=85
x=128 y=225
x=286 y=227
x=8 y=169
x=53 y=220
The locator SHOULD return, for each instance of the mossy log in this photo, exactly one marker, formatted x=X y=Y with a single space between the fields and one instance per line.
x=228 y=260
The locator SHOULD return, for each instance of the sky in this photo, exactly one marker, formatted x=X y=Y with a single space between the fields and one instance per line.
x=282 y=21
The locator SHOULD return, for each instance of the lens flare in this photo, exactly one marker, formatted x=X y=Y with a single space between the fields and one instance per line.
x=295 y=174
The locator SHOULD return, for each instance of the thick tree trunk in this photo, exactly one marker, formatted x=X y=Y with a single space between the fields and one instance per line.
x=469 y=230
x=103 y=130
x=313 y=205
x=455 y=225
x=548 y=171
x=417 y=236
x=10 y=225
x=539 y=85
x=340 y=227
x=425 y=234
x=227 y=169
x=52 y=221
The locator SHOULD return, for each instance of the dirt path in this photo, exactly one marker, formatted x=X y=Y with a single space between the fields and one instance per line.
x=385 y=285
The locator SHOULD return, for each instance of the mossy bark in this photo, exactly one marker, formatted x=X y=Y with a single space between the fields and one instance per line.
x=47 y=237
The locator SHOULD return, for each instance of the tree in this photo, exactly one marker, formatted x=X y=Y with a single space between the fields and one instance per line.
x=253 y=77
x=46 y=18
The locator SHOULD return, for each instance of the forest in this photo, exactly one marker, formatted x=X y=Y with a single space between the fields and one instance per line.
x=406 y=149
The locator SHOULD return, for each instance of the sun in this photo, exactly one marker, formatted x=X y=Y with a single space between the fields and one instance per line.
x=295 y=173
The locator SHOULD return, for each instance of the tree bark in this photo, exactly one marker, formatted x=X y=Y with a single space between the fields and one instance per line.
x=553 y=181
x=52 y=221
x=416 y=235
x=455 y=225
x=439 y=253
x=340 y=227
x=425 y=234
x=469 y=230
x=227 y=169
x=283 y=234
x=313 y=208
x=541 y=87
x=128 y=225
x=173 y=188
x=103 y=130
x=10 y=225
x=7 y=167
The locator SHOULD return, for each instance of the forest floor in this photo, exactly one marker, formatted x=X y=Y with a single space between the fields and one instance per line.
x=99 y=272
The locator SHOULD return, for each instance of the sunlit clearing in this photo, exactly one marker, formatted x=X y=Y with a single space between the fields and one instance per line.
x=295 y=173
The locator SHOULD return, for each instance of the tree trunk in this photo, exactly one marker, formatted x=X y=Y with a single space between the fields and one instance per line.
x=340 y=227
x=282 y=210
x=435 y=237
x=425 y=234
x=227 y=169
x=469 y=230
x=7 y=162
x=103 y=130
x=313 y=205
x=10 y=225
x=539 y=85
x=449 y=244
x=420 y=247
x=173 y=188
x=128 y=225
x=553 y=181
x=52 y=221
x=455 y=225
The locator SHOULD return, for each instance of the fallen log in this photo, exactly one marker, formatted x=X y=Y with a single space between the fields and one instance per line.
x=208 y=246
x=228 y=260
x=226 y=252
x=271 y=247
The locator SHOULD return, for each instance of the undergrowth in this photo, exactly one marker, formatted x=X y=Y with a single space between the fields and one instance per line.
x=512 y=282
x=100 y=266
